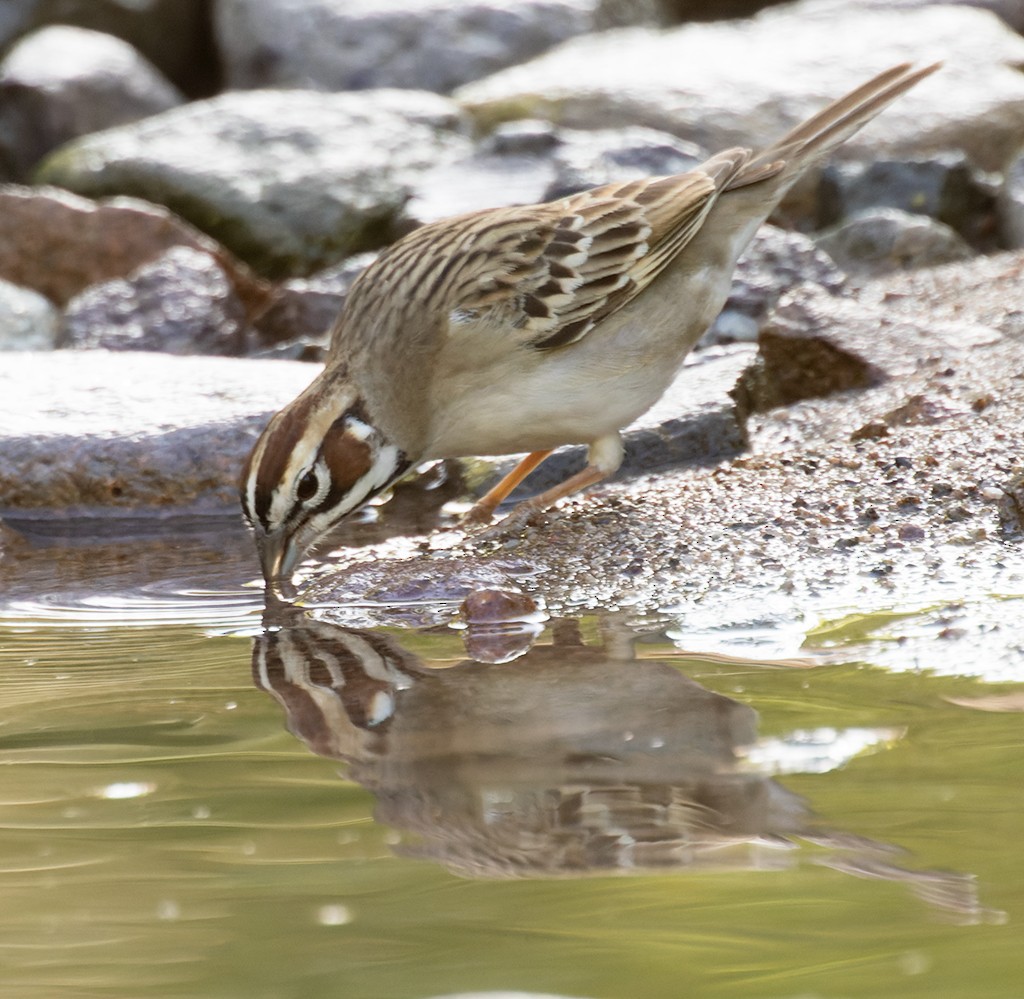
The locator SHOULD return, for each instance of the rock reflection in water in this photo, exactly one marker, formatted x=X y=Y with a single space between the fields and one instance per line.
x=554 y=765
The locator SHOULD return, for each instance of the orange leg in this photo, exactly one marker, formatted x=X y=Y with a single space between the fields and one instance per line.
x=484 y=508
x=522 y=512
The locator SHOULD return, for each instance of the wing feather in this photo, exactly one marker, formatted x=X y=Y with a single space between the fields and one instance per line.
x=545 y=275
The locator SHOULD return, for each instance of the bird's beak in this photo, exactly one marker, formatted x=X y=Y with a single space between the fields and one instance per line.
x=279 y=555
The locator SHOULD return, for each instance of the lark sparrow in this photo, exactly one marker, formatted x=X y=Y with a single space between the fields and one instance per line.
x=521 y=329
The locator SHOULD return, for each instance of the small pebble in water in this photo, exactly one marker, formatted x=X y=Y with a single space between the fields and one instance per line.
x=490 y=606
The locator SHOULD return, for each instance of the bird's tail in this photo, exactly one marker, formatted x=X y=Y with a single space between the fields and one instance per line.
x=815 y=138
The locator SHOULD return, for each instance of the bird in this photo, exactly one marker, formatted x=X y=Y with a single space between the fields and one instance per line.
x=519 y=329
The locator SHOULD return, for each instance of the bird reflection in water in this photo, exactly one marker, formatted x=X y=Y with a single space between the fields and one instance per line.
x=552 y=766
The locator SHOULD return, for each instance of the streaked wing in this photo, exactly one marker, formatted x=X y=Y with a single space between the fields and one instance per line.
x=547 y=274
x=551 y=280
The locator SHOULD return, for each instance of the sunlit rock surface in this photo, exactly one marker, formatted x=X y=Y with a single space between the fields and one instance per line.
x=707 y=82
x=62 y=82
x=396 y=43
x=86 y=428
x=290 y=181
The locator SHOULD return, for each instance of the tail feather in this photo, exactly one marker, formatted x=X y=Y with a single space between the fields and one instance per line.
x=816 y=137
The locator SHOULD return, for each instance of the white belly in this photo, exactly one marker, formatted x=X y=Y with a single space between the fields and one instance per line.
x=520 y=399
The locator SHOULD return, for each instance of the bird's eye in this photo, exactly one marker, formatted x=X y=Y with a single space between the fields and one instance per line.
x=308 y=486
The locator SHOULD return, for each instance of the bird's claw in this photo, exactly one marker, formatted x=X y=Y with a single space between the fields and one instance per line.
x=478 y=514
x=513 y=523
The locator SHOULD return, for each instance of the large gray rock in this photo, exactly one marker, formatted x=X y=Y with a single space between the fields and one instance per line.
x=173 y=34
x=181 y=303
x=133 y=429
x=28 y=321
x=883 y=240
x=523 y=162
x=419 y=44
x=61 y=82
x=747 y=82
x=291 y=181
x=943 y=187
x=59 y=244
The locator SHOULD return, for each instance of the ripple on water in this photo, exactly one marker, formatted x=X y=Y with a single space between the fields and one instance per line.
x=166 y=603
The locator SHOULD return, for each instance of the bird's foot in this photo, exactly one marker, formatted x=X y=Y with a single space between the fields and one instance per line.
x=479 y=513
x=513 y=523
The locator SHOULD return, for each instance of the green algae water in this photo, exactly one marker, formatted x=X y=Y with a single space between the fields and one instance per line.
x=194 y=806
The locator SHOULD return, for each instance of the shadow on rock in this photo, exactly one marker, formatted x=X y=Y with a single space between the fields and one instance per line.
x=555 y=766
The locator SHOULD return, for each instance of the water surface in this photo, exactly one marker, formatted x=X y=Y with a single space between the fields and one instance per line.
x=194 y=805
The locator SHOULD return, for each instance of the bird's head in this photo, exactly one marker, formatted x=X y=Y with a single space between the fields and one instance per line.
x=318 y=459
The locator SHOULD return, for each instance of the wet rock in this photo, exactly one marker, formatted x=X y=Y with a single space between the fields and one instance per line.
x=807 y=517
x=773 y=263
x=303 y=310
x=816 y=344
x=291 y=181
x=28 y=321
x=944 y=188
x=498 y=606
x=413 y=593
x=180 y=303
x=434 y=45
x=59 y=244
x=62 y=82
x=701 y=417
x=501 y=624
x=11 y=543
x=1011 y=204
x=882 y=240
x=747 y=82
x=131 y=430
x=175 y=35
